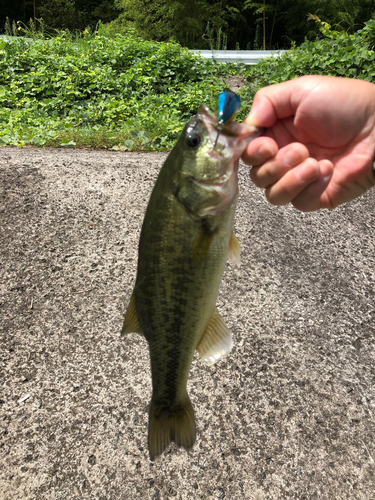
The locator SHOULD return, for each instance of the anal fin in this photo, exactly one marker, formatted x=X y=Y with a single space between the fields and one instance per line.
x=234 y=253
x=131 y=323
x=216 y=342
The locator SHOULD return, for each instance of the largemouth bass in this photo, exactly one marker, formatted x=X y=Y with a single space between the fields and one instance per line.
x=185 y=240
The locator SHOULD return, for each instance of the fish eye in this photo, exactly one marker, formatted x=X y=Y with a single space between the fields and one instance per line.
x=193 y=140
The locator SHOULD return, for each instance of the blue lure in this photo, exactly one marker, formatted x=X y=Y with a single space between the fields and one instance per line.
x=228 y=104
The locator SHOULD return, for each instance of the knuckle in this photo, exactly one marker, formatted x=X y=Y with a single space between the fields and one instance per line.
x=304 y=206
x=255 y=177
x=275 y=198
x=269 y=174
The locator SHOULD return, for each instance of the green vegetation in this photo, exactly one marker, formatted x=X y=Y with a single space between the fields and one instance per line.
x=127 y=93
x=97 y=91
x=337 y=54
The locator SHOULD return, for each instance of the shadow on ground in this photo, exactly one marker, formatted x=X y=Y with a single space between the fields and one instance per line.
x=289 y=415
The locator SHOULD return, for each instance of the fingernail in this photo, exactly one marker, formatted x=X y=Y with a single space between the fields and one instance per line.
x=265 y=152
x=308 y=172
x=255 y=117
x=251 y=119
x=326 y=170
x=326 y=178
x=290 y=159
x=294 y=156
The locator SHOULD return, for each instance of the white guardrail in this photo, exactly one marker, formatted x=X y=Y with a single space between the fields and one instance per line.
x=223 y=56
x=238 y=56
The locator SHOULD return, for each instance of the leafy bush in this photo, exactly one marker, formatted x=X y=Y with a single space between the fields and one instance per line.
x=101 y=91
x=337 y=54
x=126 y=93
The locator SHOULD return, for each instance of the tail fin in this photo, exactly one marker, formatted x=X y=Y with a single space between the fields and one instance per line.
x=176 y=424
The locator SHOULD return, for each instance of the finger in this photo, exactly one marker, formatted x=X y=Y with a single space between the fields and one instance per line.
x=287 y=158
x=279 y=101
x=352 y=181
x=259 y=151
x=310 y=198
x=293 y=182
x=262 y=111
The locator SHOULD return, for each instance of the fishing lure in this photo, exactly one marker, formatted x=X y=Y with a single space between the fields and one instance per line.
x=228 y=104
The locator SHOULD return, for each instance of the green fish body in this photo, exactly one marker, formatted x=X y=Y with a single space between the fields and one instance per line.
x=184 y=244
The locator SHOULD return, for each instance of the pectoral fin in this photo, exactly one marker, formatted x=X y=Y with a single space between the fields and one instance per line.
x=234 y=254
x=131 y=323
x=216 y=342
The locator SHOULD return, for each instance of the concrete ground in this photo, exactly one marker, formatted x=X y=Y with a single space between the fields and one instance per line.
x=290 y=414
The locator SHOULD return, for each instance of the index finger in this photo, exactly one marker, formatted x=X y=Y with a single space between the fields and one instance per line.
x=259 y=151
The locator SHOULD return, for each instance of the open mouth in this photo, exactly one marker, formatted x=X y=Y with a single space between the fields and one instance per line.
x=233 y=135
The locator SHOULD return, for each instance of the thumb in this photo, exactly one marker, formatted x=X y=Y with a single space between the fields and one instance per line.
x=262 y=113
x=278 y=101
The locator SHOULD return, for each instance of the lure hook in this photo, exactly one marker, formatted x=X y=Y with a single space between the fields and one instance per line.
x=228 y=104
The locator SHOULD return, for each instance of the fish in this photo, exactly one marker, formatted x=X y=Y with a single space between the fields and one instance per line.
x=186 y=237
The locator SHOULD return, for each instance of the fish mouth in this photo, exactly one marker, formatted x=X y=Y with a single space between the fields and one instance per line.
x=232 y=135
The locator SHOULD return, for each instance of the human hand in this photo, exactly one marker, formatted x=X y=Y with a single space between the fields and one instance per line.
x=319 y=145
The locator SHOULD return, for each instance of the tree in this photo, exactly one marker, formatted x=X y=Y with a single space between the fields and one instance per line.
x=70 y=14
x=231 y=24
